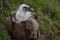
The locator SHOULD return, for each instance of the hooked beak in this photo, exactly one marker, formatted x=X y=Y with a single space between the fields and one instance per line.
x=31 y=9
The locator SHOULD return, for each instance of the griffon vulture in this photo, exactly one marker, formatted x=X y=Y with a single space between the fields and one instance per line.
x=22 y=25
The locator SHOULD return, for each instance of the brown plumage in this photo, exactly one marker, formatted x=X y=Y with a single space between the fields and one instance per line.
x=22 y=29
x=18 y=31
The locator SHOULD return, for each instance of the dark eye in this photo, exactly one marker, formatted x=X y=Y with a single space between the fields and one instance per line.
x=26 y=8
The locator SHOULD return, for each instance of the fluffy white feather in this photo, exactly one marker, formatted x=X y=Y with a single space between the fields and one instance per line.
x=21 y=15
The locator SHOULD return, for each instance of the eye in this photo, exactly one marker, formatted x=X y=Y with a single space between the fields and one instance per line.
x=25 y=8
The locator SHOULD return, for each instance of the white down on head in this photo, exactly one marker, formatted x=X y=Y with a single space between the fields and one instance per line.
x=21 y=15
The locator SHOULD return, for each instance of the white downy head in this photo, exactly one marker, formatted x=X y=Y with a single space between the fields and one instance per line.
x=22 y=15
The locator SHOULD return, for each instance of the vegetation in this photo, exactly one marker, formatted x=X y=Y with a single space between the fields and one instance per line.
x=48 y=12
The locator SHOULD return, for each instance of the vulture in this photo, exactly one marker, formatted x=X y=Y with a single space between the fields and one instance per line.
x=22 y=24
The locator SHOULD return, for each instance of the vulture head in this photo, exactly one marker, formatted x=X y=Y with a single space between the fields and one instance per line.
x=25 y=7
x=23 y=13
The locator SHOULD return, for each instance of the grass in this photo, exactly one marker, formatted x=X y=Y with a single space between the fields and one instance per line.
x=48 y=12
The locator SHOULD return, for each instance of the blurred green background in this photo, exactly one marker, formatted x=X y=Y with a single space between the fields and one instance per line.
x=48 y=12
